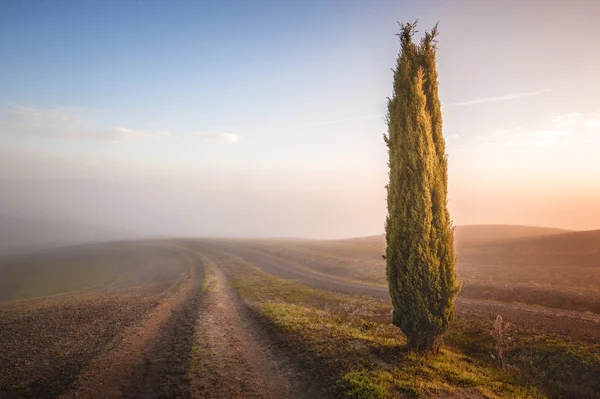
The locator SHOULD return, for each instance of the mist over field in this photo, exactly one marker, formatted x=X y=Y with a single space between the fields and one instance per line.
x=206 y=208
x=56 y=209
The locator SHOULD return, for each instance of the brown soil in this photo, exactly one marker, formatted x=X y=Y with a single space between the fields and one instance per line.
x=135 y=366
x=45 y=343
x=234 y=356
x=163 y=365
x=577 y=325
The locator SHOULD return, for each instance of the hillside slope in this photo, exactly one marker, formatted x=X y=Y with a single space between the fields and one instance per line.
x=574 y=249
x=23 y=233
x=482 y=234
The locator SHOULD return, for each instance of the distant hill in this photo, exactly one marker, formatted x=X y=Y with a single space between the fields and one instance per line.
x=470 y=235
x=483 y=234
x=536 y=265
x=21 y=233
x=543 y=266
x=509 y=246
x=579 y=248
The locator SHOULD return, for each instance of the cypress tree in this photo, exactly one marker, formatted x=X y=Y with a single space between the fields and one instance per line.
x=420 y=260
x=443 y=233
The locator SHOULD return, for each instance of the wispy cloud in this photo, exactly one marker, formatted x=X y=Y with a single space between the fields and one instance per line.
x=62 y=123
x=567 y=130
x=225 y=137
x=125 y=134
x=577 y=120
x=506 y=97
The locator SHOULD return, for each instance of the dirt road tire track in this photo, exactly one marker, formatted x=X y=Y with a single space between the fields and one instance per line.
x=237 y=358
x=164 y=373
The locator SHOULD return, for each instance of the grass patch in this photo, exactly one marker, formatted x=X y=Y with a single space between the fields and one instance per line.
x=209 y=284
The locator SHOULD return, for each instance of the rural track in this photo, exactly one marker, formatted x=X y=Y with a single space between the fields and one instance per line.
x=577 y=325
x=164 y=373
x=235 y=357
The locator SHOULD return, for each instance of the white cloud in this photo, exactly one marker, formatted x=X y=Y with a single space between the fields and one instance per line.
x=124 y=134
x=68 y=124
x=506 y=97
x=226 y=137
x=570 y=129
x=577 y=120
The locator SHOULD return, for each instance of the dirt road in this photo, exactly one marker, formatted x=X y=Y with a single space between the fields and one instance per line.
x=235 y=358
x=578 y=325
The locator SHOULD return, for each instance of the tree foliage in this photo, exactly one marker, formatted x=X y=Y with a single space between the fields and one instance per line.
x=420 y=258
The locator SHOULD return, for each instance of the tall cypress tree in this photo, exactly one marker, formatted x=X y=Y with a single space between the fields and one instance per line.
x=443 y=233
x=420 y=243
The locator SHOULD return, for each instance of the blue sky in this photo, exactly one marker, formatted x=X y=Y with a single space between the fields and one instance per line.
x=266 y=91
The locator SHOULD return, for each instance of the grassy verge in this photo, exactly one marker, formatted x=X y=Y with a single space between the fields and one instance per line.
x=209 y=284
x=349 y=341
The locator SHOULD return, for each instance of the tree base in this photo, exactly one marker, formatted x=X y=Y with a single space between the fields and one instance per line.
x=426 y=345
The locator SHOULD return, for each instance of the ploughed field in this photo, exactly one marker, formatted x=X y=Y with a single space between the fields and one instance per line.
x=296 y=319
x=64 y=308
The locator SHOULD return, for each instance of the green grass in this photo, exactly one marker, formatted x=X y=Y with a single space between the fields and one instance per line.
x=370 y=361
x=360 y=353
x=196 y=366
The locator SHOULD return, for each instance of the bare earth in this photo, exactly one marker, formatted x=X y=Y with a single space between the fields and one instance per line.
x=115 y=373
x=234 y=358
x=46 y=343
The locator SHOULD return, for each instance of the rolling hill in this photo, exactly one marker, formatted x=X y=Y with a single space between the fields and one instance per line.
x=574 y=249
x=22 y=233
x=483 y=234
